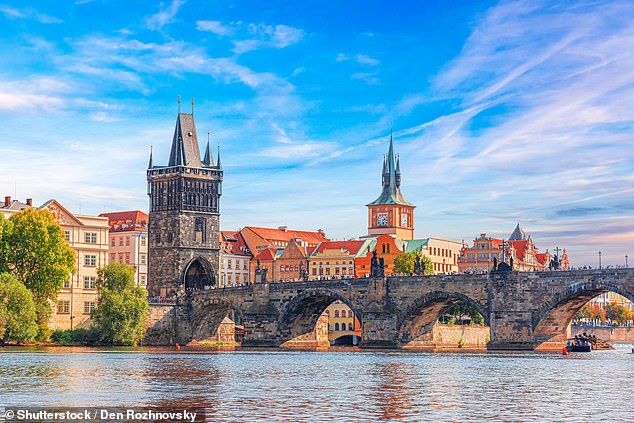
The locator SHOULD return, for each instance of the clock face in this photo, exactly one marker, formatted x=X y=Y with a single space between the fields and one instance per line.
x=381 y=219
x=403 y=220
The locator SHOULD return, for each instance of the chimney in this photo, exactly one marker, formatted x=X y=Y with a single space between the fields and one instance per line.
x=283 y=228
x=321 y=232
x=7 y=201
x=29 y=202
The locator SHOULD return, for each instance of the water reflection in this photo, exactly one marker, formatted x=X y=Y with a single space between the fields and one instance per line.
x=341 y=386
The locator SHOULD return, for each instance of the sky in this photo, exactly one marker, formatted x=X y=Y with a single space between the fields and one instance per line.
x=501 y=112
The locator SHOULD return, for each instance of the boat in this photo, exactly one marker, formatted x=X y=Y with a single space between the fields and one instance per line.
x=579 y=345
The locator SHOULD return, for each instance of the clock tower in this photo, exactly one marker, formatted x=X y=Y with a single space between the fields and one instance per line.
x=391 y=213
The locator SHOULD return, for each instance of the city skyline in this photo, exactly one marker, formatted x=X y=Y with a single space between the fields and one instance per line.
x=502 y=112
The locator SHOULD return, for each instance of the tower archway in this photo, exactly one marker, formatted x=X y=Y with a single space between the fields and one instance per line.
x=198 y=274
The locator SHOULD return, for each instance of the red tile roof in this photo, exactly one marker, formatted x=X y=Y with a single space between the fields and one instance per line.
x=311 y=238
x=520 y=248
x=232 y=242
x=268 y=254
x=351 y=246
x=127 y=220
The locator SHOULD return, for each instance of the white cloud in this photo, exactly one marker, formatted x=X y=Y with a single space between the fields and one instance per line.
x=268 y=36
x=367 y=60
x=164 y=16
x=28 y=13
x=215 y=27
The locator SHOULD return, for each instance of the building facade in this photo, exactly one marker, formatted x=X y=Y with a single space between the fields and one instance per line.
x=184 y=217
x=336 y=259
x=344 y=328
x=234 y=260
x=129 y=241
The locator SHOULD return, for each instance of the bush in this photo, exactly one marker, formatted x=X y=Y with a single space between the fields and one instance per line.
x=81 y=336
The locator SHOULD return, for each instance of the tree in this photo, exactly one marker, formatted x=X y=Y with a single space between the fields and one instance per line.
x=17 y=311
x=616 y=313
x=461 y=313
x=122 y=307
x=404 y=263
x=36 y=253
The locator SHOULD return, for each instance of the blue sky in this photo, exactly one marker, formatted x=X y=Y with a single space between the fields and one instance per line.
x=502 y=112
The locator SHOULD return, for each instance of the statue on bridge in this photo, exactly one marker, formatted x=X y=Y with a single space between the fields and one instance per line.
x=554 y=263
x=303 y=274
x=377 y=266
x=260 y=273
x=502 y=266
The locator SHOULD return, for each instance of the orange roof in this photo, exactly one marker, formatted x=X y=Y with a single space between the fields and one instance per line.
x=520 y=248
x=351 y=246
x=126 y=220
x=541 y=258
x=311 y=238
x=267 y=254
x=232 y=242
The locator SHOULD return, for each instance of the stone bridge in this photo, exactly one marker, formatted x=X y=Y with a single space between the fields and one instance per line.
x=524 y=311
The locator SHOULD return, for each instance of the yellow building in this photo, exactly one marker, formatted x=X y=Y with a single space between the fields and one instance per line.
x=88 y=236
x=344 y=328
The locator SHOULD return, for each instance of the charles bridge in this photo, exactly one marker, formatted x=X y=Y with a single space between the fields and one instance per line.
x=524 y=310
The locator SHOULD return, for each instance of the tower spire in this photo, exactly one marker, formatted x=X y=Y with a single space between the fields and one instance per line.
x=149 y=166
x=218 y=163
x=179 y=104
x=207 y=159
x=192 y=105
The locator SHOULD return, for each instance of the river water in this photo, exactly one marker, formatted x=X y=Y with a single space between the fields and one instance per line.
x=329 y=386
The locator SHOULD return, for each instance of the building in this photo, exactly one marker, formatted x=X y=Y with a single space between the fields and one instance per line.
x=344 y=328
x=293 y=261
x=519 y=247
x=235 y=259
x=88 y=236
x=268 y=244
x=390 y=213
x=128 y=241
x=443 y=253
x=184 y=217
x=336 y=259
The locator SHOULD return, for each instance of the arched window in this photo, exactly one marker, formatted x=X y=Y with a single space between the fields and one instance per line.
x=350 y=314
x=337 y=326
x=336 y=313
x=350 y=326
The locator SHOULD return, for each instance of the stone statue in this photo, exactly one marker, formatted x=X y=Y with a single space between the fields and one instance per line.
x=374 y=264
x=511 y=263
x=381 y=268
x=303 y=274
x=495 y=263
x=417 y=265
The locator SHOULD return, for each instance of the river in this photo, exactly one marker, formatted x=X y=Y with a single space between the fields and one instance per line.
x=329 y=386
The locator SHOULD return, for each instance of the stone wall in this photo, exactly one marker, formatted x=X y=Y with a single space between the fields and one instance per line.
x=315 y=340
x=608 y=334
x=160 y=325
x=454 y=337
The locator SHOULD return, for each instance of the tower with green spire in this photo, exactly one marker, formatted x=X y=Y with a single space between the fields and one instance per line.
x=184 y=218
x=391 y=213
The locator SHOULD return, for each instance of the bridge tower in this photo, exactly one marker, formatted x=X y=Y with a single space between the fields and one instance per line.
x=184 y=217
x=391 y=213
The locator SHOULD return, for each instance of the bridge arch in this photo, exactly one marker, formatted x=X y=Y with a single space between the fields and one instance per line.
x=416 y=322
x=551 y=321
x=208 y=315
x=303 y=311
x=197 y=273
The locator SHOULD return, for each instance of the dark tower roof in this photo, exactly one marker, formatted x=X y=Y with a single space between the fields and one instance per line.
x=185 y=150
x=518 y=234
x=391 y=193
x=208 y=160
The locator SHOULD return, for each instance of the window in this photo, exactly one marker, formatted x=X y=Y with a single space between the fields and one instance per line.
x=120 y=241
x=89 y=282
x=127 y=241
x=112 y=242
x=158 y=238
x=67 y=233
x=91 y=237
x=63 y=307
x=143 y=259
x=120 y=257
x=350 y=326
x=66 y=283
x=230 y=264
x=314 y=271
x=143 y=241
x=336 y=313
x=88 y=306
x=336 y=326
x=142 y=280
x=90 y=260
x=350 y=314
x=113 y=257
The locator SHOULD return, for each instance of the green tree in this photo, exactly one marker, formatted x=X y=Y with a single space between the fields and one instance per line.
x=36 y=253
x=404 y=263
x=615 y=312
x=461 y=313
x=121 y=311
x=17 y=311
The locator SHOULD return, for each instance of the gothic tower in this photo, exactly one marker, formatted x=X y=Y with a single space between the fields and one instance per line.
x=183 y=250
x=391 y=213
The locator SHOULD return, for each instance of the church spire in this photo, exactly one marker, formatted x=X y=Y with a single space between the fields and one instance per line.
x=185 y=150
x=208 y=159
x=391 y=173
x=218 y=162
x=149 y=166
